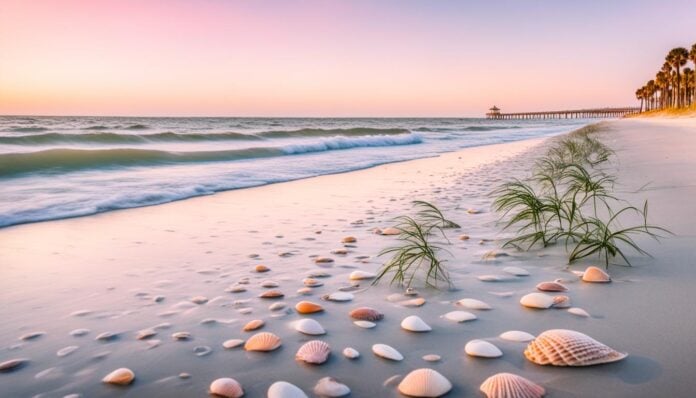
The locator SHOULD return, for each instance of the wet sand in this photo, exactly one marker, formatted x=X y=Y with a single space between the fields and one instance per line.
x=129 y=270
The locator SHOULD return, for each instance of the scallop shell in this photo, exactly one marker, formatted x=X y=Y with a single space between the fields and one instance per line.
x=271 y=294
x=310 y=327
x=537 y=300
x=263 y=341
x=330 y=387
x=459 y=316
x=283 y=389
x=253 y=325
x=482 y=348
x=508 y=385
x=338 y=296
x=261 y=268
x=390 y=231
x=551 y=287
x=366 y=314
x=517 y=335
x=474 y=304
x=308 y=307
x=387 y=352
x=424 y=383
x=315 y=351
x=561 y=301
x=351 y=353
x=226 y=387
x=121 y=376
x=579 y=312
x=414 y=323
x=595 y=274
x=517 y=271
x=361 y=275
x=349 y=239
x=365 y=324
x=560 y=347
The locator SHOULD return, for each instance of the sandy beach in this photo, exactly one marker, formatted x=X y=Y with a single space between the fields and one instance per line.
x=125 y=271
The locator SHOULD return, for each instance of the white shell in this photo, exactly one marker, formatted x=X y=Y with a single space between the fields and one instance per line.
x=424 y=383
x=365 y=324
x=226 y=387
x=431 y=357
x=339 y=296
x=283 y=389
x=350 y=353
x=414 y=323
x=387 y=352
x=508 y=385
x=390 y=231
x=121 y=376
x=360 y=275
x=416 y=302
x=517 y=335
x=315 y=351
x=232 y=343
x=330 y=387
x=495 y=278
x=66 y=350
x=537 y=300
x=459 y=316
x=474 y=304
x=309 y=326
x=482 y=348
x=517 y=271
x=579 y=312
x=560 y=347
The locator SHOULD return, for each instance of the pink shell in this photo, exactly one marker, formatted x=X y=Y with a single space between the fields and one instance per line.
x=366 y=314
x=315 y=351
x=561 y=301
x=560 y=347
x=263 y=341
x=551 y=287
x=595 y=274
x=508 y=385
x=226 y=387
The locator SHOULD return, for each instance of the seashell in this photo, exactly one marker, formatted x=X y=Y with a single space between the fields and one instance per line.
x=271 y=294
x=202 y=350
x=79 y=332
x=560 y=347
x=181 y=336
x=551 y=287
x=319 y=274
x=315 y=351
x=31 y=336
x=263 y=341
x=517 y=271
x=416 y=302
x=145 y=334
x=365 y=324
x=253 y=325
x=537 y=300
x=508 y=293
x=330 y=387
x=310 y=327
x=276 y=306
x=474 y=304
x=65 y=351
x=366 y=314
x=349 y=239
x=459 y=316
x=226 y=387
x=199 y=300
x=463 y=237
x=473 y=211
x=493 y=254
x=508 y=385
x=311 y=282
x=579 y=312
x=269 y=284
x=283 y=389
x=361 y=275
x=414 y=323
x=387 y=352
x=517 y=335
x=424 y=383
x=495 y=278
x=13 y=364
x=340 y=252
x=305 y=291
x=232 y=343
x=482 y=348
x=561 y=301
x=351 y=353
x=390 y=231
x=596 y=275
x=261 y=268
x=431 y=357
x=121 y=376
x=323 y=260
x=410 y=292
x=106 y=336
x=338 y=296
x=308 y=307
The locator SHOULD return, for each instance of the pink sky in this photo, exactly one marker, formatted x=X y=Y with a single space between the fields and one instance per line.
x=329 y=58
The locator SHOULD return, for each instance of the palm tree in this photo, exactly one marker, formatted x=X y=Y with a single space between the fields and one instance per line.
x=692 y=55
x=651 y=91
x=666 y=71
x=661 y=83
x=688 y=85
x=677 y=58
x=640 y=95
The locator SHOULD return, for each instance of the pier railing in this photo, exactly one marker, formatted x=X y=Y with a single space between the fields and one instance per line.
x=568 y=114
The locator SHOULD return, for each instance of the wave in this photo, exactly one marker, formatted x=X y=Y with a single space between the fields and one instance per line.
x=63 y=159
x=352 y=132
x=468 y=128
x=137 y=127
x=26 y=129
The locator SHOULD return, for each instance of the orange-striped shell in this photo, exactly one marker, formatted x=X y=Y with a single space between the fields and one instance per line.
x=560 y=347
x=263 y=341
x=308 y=307
x=551 y=287
x=595 y=274
x=366 y=314
x=315 y=351
x=271 y=294
x=253 y=325
x=508 y=385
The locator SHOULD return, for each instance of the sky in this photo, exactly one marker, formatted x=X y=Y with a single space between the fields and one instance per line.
x=398 y=58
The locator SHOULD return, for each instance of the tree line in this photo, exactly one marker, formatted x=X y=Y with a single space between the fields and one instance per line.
x=674 y=86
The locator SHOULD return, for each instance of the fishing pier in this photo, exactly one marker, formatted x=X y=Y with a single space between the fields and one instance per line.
x=494 y=113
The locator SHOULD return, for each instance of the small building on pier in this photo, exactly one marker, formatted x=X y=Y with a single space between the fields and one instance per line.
x=494 y=113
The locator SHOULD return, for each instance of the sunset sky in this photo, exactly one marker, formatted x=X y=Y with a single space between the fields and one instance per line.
x=330 y=58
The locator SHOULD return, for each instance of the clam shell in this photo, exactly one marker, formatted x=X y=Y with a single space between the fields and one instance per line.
x=517 y=271
x=271 y=294
x=283 y=389
x=551 y=287
x=232 y=343
x=261 y=268
x=387 y=352
x=414 y=323
x=482 y=348
x=560 y=347
x=199 y=300
x=330 y=387
x=366 y=314
x=495 y=278
x=459 y=316
x=517 y=335
x=361 y=275
x=416 y=302
x=350 y=353
x=308 y=307
x=464 y=237
x=537 y=300
x=579 y=312
x=315 y=351
x=13 y=364
x=390 y=231
x=596 y=275
x=349 y=239
x=561 y=301
x=310 y=327
x=305 y=291
x=253 y=325
x=263 y=341
x=338 y=296
x=181 y=336
x=365 y=324
x=226 y=387
x=323 y=260
x=121 y=376
x=424 y=383
x=474 y=304
x=311 y=282
x=431 y=357
x=508 y=385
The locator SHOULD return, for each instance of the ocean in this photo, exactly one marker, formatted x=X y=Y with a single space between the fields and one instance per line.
x=59 y=167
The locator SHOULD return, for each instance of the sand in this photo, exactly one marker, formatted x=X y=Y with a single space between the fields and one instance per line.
x=125 y=271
